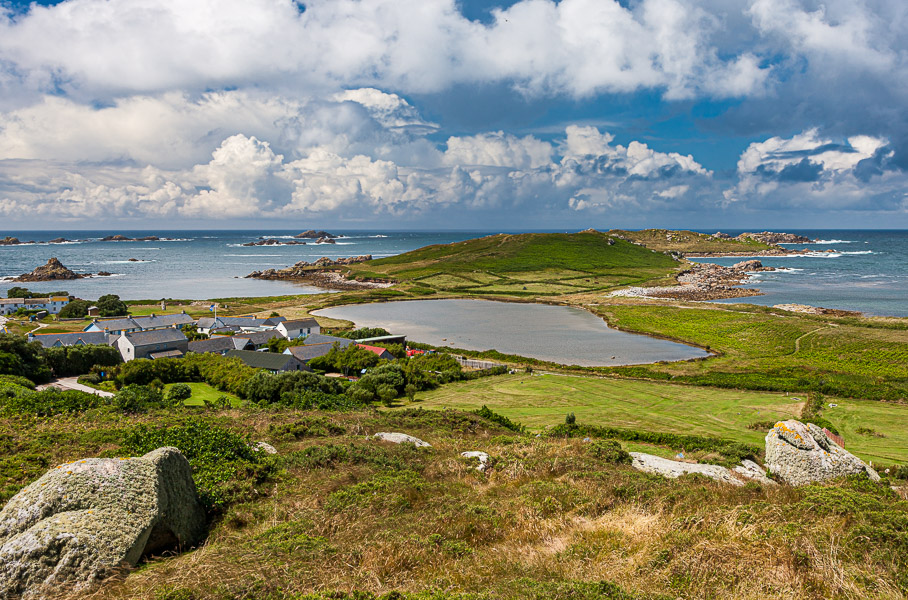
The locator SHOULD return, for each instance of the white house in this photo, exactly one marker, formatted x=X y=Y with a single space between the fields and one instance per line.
x=53 y=305
x=298 y=328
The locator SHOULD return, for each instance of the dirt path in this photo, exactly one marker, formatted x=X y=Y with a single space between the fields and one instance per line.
x=70 y=383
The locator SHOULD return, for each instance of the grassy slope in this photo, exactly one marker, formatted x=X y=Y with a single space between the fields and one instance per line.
x=540 y=401
x=201 y=392
x=532 y=263
x=548 y=522
x=767 y=349
x=669 y=240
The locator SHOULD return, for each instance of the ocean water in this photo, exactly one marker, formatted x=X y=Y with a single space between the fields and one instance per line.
x=867 y=272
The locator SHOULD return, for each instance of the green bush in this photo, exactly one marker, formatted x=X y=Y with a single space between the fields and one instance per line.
x=66 y=361
x=224 y=465
x=47 y=402
x=486 y=413
x=110 y=305
x=76 y=309
x=138 y=398
x=609 y=451
x=178 y=393
x=18 y=357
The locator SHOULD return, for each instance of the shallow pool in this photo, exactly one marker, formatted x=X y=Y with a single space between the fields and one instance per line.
x=561 y=334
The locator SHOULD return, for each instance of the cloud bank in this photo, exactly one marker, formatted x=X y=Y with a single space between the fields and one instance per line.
x=270 y=109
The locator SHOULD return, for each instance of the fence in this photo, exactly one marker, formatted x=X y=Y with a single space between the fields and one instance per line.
x=835 y=438
x=476 y=364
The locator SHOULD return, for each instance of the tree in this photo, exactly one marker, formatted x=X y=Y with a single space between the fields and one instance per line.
x=110 y=305
x=18 y=357
x=179 y=393
x=75 y=309
x=21 y=292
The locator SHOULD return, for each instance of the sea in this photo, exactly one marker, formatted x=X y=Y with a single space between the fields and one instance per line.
x=867 y=270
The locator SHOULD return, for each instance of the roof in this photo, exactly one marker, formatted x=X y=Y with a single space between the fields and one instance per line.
x=219 y=343
x=261 y=337
x=166 y=354
x=264 y=360
x=318 y=338
x=180 y=318
x=383 y=339
x=33 y=300
x=309 y=351
x=49 y=340
x=155 y=336
x=117 y=324
x=209 y=322
x=379 y=351
x=298 y=323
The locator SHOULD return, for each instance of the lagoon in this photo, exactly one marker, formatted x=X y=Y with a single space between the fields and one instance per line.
x=560 y=334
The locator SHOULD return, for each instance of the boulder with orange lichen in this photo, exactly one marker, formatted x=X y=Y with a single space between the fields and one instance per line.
x=801 y=454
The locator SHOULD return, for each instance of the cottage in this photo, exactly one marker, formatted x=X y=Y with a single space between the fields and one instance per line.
x=298 y=328
x=249 y=324
x=220 y=344
x=121 y=325
x=154 y=343
x=259 y=339
x=52 y=305
x=318 y=338
x=381 y=352
x=80 y=338
x=269 y=361
x=309 y=351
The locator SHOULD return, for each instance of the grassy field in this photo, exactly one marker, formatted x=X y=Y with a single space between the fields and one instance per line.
x=202 y=391
x=771 y=349
x=539 y=401
x=525 y=264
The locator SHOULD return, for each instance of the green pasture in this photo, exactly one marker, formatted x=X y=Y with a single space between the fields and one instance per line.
x=201 y=392
x=539 y=401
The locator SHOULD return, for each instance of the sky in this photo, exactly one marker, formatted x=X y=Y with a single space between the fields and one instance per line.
x=446 y=114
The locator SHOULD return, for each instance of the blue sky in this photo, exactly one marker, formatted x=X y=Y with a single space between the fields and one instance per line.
x=444 y=114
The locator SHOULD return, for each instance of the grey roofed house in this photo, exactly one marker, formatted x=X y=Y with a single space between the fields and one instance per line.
x=153 y=321
x=80 y=338
x=309 y=351
x=142 y=344
x=260 y=338
x=318 y=338
x=220 y=344
x=269 y=361
x=207 y=323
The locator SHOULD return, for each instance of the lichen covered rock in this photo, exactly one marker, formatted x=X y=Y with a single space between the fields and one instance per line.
x=401 y=438
x=802 y=453
x=82 y=521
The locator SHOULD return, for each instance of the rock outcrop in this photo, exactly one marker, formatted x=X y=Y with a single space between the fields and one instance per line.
x=802 y=453
x=52 y=271
x=771 y=237
x=401 y=438
x=325 y=240
x=748 y=470
x=274 y=242
x=12 y=241
x=705 y=281
x=85 y=520
x=314 y=235
x=482 y=457
x=122 y=238
x=323 y=273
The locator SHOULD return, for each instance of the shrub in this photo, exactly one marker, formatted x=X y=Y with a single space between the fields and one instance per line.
x=137 y=398
x=486 y=413
x=224 y=465
x=18 y=357
x=48 y=402
x=110 y=305
x=76 y=309
x=609 y=451
x=178 y=393
x=570 y=419
x=66 y=361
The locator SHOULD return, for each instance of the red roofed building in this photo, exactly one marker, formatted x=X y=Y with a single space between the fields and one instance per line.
x=382 y=352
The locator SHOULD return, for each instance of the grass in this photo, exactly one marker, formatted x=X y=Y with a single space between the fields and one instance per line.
x=768 y=349
x=202 y=392
x=548 y=264
x=553 y=518
x=544 y=400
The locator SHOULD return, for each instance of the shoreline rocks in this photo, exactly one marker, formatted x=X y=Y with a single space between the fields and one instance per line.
x=86 y=520
x=323 y=272
x=704 y=281
x=771 y=237
x=817 y=310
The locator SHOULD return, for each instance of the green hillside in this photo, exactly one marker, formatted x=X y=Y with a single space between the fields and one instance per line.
x=524 y=264
x=668 y=240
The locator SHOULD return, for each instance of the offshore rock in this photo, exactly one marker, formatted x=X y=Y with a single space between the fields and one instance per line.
x=802 y=454
x=52 y=271
x=314 y=235
x=85 y=520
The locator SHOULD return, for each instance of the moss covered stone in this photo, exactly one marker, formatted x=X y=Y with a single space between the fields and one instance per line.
x=81 y=521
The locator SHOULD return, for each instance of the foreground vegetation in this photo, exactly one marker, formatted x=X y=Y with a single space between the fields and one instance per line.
x=554 y=517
